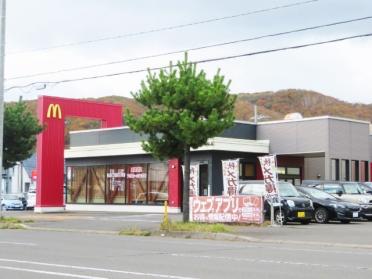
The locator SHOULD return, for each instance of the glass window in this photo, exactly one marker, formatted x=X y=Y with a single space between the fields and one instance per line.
x=280 y=170
x=353 y=188
x=287 y=190
x=158 y=183
x=345 y=172
x=367 y=171
x=252 y=189
x=77 y=183
x=116 y=184
x=335 y=172
x=293 y=171
x=317 y=194
x=355 y=170
x=247 y=170
x=96 y=184
x=137 y=183
x=333 y=188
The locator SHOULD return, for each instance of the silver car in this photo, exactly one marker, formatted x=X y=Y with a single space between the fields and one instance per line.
x=11 y=202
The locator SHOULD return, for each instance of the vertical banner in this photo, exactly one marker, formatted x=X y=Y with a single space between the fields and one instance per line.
x=194 y=180
x=230 y=171
x=268 y=166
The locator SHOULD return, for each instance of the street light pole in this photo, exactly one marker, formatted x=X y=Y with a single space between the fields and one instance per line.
x=2 y=63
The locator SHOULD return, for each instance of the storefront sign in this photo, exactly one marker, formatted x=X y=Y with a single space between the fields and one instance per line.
x=235 y=209
x=119 y=173
x=194 y=180
x=268 y=166
x=230 y=170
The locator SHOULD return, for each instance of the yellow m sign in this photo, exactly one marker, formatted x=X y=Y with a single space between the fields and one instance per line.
x=54 y=111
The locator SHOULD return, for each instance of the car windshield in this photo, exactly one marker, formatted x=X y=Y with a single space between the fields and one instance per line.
x=353 y=188
x=11 y=197
x=368 y=184
x=333 y=188
x=287 y=190
x=252 y=189
x=318 y=194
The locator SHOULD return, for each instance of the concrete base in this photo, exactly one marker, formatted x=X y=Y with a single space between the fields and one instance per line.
x=121 y=208
x=49 y=209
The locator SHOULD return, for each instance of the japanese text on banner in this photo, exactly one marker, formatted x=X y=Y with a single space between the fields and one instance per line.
x=194 y=180
x=268 y=166
x=230 y=170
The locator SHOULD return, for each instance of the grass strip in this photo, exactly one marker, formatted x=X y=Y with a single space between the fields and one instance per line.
x=195 y=227
x=134 y=232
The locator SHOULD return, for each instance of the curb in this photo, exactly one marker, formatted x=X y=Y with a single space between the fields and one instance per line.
x=234 y=237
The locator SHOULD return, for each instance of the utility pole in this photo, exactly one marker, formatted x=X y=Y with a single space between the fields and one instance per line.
x=2 y=64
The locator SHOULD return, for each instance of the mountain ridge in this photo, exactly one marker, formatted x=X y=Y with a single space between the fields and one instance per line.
x=271 y=105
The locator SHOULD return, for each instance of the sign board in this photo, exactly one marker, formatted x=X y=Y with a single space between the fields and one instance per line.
x=223 y=209
x=268 y=166
x=230 y=172
x=194 y=180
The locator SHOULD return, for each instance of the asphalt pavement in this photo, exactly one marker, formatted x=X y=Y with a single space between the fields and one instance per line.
x=87 y=245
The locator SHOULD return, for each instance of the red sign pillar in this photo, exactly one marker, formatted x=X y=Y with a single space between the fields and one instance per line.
x=52 y=112
x=174 y=183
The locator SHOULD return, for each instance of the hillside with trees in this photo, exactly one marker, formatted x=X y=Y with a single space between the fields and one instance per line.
x=271 y=106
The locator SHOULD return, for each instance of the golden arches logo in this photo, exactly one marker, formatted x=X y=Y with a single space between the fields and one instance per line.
x=54 y=111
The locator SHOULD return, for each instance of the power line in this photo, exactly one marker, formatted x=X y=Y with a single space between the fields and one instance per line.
x=167 y=28
x=189 y=49
x=196 y=62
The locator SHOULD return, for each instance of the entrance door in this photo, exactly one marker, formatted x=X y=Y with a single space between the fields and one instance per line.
x=203 y=180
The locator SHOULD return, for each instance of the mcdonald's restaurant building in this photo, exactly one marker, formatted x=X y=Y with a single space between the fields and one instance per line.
x=106 y=169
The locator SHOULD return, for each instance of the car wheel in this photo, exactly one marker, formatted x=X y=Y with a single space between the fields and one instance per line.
x=321 y=215
x=305 y=222
x=279 y=217
x=345 y=221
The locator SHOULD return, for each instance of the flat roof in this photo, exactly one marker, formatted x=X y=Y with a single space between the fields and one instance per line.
x=312 y=119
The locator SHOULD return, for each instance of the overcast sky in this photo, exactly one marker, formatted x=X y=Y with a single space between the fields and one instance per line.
x=342 y=70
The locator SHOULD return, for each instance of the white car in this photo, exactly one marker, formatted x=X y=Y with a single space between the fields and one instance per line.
x=11 y=202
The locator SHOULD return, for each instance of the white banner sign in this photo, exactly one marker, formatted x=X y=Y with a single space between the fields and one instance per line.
x=230 y=171
x=194 y=180
x=268 y=166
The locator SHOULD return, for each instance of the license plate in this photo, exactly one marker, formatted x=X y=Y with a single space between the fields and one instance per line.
x=355 y=214
x=301 y=214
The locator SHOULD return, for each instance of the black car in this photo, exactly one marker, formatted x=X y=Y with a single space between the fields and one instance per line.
x=328 y=207
x=292 y=205
x=347 y=191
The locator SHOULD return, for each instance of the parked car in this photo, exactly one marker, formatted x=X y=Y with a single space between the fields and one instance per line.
x=11 y=201
x=293 y=206
x=31 y=198
x=328 y=207
x=346 y=191
x=367 y=187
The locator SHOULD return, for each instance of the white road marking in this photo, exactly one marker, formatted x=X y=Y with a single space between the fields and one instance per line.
x=252 y=260
x=18 y=243
x=97 y=269
x=51 y=272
